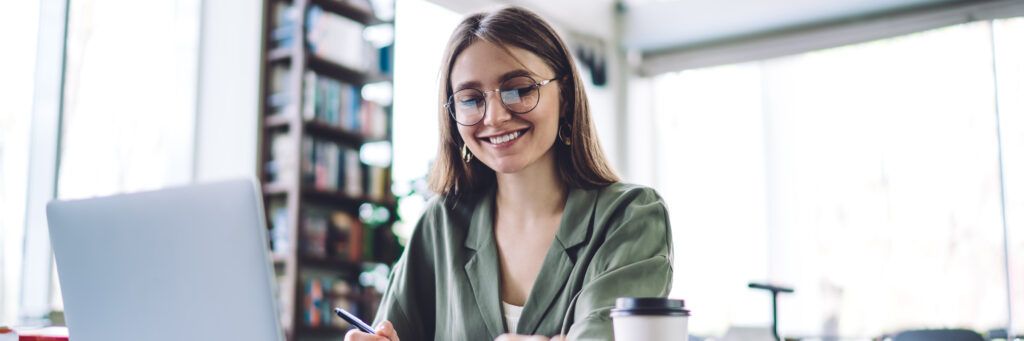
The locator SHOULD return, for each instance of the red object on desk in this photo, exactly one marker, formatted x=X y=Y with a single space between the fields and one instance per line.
x=44 y=334
x=41 y=338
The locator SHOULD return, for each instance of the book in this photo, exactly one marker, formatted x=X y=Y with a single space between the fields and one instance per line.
x=346 y=237
x=331 y=234
x=280 y=238
x=283 y=22
x=338 y=39
x=332 y=167
x=34 y=334
x=312 y=302
x=314 y=233
x=279 y=100
x=324 y=292
x=332 y=102
x=280 y=165
x=378 y=183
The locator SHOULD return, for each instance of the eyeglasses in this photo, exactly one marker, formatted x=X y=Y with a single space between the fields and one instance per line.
x=518 y=94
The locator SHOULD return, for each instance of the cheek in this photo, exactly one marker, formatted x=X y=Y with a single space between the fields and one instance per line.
x=467 y=137
x=547 y=121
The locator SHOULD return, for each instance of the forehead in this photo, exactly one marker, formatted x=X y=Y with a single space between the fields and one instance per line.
x=484 y=63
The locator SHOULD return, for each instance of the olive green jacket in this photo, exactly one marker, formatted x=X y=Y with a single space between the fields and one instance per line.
x=612 y=242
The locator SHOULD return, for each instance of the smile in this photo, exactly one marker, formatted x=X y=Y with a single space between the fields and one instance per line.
x=506 y=139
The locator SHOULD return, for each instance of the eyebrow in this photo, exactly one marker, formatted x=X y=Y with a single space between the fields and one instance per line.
x=504 y=77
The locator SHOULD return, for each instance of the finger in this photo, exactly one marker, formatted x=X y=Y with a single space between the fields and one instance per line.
x=356 y=335
x=386 y=329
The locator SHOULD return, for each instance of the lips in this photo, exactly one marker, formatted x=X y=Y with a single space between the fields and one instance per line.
x=504 y=138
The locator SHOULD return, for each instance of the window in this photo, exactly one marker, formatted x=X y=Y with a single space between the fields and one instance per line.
x=865 y=176
x=16 y=87
x=129 y=101
x=420 y=37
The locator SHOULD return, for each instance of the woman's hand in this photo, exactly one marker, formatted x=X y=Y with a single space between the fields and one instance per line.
x=514 y=337
x=385 y=332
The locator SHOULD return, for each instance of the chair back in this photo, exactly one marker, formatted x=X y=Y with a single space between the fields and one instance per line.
x=938 y=335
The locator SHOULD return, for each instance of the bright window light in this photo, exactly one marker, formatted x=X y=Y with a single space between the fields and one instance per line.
x=421 y=33
x=866 y=177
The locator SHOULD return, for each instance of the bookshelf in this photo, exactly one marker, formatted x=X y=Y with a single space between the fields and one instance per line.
x=326 y=82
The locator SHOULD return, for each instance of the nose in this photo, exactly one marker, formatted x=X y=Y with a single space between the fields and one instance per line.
x=496 y=112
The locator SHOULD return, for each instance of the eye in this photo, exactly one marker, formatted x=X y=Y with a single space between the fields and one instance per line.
x=519 y=86
x=525 y=90
x=468 y=101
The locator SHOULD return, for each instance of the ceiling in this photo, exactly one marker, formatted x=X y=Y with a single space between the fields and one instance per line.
x=654 y=25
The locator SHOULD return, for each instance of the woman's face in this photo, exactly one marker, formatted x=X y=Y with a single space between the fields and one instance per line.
x=505 y=141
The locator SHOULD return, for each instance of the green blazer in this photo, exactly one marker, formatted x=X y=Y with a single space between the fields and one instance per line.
x=612 y=242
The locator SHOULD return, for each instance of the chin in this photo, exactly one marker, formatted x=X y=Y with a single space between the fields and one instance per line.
x=506 y=166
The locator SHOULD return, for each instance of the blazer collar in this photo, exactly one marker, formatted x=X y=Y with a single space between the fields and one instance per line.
x=483 y=270
x=576 y=216
x=482 y=266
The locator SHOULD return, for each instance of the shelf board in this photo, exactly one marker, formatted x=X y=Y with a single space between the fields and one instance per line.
x=320 y=129
x=277 y=121
x=276 y=189
x=325 y=195
x=343 y=73
x=335 y=133
x=340 y=198
x=279 y=54
x=326 y=263
x=346 y=9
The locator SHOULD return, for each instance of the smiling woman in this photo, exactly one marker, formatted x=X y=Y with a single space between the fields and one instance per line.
x=538 y=54
x=532 y=233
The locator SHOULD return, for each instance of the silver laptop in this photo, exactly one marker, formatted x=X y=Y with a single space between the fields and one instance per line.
x=187 y=263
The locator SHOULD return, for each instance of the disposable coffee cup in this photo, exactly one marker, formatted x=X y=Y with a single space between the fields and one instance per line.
x=649 y=319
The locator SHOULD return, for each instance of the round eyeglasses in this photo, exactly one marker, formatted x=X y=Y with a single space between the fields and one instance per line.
x=518 y=94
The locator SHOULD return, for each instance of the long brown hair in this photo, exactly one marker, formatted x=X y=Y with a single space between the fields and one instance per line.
x=580 y=165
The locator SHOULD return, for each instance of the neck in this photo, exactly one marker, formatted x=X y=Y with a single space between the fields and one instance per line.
x=533 y=192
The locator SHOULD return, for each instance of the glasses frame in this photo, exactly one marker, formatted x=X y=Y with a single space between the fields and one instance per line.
x=451 y=111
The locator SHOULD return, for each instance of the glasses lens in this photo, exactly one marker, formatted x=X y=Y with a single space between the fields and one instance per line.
x=467 y=105
x=520 y=94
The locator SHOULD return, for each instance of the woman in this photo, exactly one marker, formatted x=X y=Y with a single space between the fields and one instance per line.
x=532 y=233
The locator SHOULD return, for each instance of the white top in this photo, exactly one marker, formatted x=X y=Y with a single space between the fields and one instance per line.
x=512 y=313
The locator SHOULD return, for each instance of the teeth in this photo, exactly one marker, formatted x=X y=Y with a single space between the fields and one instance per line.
x=505 y=138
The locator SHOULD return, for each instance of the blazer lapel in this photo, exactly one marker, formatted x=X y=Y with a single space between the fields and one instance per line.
x=558 y=265
x=482 y=266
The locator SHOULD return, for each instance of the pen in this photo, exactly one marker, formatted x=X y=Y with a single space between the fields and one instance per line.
x=353 y=320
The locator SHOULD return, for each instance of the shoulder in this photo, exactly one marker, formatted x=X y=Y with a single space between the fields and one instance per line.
x=630 y=208
x=632 y=222
x=628 y=190
x=621 y=197
x=446 y=210
x=441 y=217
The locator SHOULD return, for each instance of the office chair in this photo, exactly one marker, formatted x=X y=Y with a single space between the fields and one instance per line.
x=938 y=335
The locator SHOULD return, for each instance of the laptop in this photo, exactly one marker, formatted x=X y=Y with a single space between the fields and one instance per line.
x=185 y=263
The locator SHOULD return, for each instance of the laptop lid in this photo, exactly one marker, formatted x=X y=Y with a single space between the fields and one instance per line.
x=185 y=263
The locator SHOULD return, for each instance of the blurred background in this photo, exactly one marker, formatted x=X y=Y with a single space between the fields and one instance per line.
x=868 y=154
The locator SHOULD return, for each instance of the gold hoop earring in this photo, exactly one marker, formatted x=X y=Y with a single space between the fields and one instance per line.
x=567 y=138
x=467 y=156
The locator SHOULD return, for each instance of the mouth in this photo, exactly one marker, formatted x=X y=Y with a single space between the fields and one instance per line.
x=504 y=139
